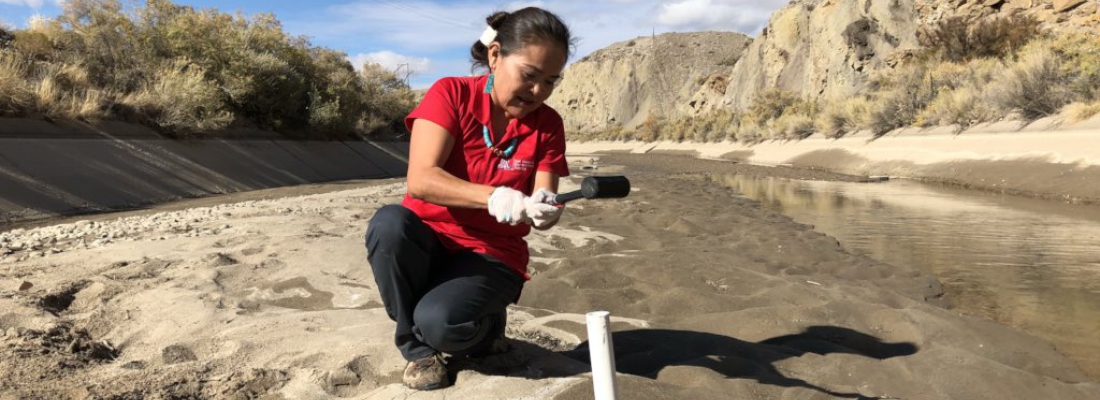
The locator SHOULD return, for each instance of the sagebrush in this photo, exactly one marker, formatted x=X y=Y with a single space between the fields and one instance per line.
x=190 y=71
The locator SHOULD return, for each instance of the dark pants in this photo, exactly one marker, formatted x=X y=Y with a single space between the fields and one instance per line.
x=442 y=302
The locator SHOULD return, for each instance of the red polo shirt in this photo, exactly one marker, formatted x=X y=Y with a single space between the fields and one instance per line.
x=461 y=107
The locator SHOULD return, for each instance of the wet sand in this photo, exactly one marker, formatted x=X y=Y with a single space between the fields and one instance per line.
x=713 y=298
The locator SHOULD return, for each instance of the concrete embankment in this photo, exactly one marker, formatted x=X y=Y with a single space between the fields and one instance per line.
x=1060 y=164
x=49 y=169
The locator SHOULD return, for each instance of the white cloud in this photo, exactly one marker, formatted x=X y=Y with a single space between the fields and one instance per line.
x=747 y=16
x=392 y=61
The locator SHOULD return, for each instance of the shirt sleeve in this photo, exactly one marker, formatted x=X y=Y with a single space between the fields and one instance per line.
x=440 y=105
x=553 y=145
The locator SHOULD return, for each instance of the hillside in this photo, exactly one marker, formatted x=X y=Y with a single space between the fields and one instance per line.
x=623 y=84
x=816 y=50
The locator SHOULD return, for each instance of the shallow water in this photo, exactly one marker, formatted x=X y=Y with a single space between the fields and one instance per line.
x=1031 y=264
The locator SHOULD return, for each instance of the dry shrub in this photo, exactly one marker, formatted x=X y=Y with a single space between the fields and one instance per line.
x=98 y=51
x=614 y=133
x=777 y=114
x=181 y=100
x=769 y=104
x=901 y=94
x=62 y=91
x=841 y=117
x=1080 y=57
x=386 y=100
x=266 y=89
x=49 y=99
x=963 y=107
x=791 y=126
x=16 y=97
x=1034 y=86
x=1077 y=112
x=650 y=129
x=750 y=132
x=961 y=98
x=959 y=39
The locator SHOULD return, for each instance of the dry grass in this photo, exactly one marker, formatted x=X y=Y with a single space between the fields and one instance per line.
x=181 y=100
x=791 y=126
x=841 y=117
x=961 y=99
x=16 y=96
x=1077 y=112
x=962 y=108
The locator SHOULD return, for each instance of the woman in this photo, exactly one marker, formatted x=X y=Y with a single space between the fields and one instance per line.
x=484 y=162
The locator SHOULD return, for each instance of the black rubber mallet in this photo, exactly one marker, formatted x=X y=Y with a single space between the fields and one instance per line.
x=597 y=187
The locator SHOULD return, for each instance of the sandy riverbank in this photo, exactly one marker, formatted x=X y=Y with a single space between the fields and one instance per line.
x=715 y=298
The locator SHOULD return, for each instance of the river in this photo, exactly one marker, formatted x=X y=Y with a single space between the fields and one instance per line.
x=1031 y=264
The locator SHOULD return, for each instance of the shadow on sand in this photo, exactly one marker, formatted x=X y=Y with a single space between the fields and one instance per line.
x=645 y=352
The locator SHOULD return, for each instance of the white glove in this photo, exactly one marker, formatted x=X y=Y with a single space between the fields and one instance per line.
x=507 y=205
x=541 y=210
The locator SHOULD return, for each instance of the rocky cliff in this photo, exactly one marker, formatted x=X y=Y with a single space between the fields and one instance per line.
x=818 y=49
x=625 y=83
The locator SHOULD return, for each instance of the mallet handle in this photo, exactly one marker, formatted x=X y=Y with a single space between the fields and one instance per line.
x=568 y=196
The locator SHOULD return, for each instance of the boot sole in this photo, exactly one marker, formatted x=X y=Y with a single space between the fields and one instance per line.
x=434 y=386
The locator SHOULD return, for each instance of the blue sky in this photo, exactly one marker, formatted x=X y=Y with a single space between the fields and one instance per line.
x=433 y=37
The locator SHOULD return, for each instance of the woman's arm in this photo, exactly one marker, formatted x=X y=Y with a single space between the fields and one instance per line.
x=545 y=180
x=429 y=148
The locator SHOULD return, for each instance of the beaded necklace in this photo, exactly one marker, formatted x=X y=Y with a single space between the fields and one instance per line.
x=506 y=153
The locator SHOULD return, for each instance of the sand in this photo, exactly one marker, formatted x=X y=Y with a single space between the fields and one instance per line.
x=712 y=297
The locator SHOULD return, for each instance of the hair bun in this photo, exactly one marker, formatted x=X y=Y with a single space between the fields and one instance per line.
x=497 y=19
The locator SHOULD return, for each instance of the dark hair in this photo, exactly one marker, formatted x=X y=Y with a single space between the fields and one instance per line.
x=520 y=28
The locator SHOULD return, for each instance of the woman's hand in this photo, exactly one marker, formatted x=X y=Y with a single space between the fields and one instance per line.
x=541 y=211
x=508 y=206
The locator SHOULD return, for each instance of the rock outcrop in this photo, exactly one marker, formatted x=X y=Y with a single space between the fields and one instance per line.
x=818 y=49
x=821 y=49
x=625 y=83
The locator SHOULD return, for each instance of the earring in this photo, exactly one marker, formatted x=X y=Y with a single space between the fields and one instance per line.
x=489 y=84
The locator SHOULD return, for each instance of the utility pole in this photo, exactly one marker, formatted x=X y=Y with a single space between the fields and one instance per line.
x=408 y=71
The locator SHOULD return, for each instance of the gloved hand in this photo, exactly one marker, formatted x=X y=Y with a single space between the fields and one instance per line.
x=507 y=205
x=541 y=210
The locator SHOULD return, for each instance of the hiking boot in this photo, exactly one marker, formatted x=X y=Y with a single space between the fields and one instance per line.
x=497 y=346
x=428 y=373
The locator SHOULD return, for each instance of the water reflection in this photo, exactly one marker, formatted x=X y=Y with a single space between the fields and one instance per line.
x=1027 y=263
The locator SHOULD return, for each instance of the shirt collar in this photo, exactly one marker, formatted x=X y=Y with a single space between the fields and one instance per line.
x=482 y=110
x=482 y=101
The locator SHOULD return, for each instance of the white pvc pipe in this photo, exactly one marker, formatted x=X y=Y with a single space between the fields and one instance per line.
x=603 y=357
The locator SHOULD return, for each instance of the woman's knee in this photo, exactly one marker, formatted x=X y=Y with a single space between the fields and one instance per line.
x=446 y=332
x=390 y=221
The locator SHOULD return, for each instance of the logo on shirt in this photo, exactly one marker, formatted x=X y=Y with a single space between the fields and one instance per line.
x=515 y=165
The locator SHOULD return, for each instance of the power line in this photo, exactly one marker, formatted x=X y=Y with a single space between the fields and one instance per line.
x=425 y=14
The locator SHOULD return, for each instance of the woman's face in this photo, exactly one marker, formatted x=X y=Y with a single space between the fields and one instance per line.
x=524 y=79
